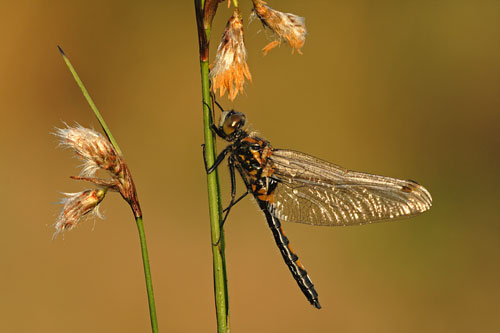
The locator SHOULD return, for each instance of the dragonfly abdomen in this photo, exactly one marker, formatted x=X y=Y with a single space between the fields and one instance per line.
x=291 y=259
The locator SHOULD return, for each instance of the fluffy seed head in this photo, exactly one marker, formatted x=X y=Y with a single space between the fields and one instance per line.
x=286 y=26
x=93 y=148
x=78 y=206
x=230 y=67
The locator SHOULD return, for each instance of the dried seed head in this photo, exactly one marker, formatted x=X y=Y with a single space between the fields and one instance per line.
x=230 y=67
x=284 y=25
x=93 y=148
x=76 y=207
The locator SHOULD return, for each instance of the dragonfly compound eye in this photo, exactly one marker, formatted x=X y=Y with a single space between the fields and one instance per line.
x=233 y=122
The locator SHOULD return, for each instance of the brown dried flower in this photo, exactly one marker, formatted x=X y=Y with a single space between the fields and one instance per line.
x=77 y=206
x=284 y=25
x=97 y=153
x=230 y=67
x=93 y=148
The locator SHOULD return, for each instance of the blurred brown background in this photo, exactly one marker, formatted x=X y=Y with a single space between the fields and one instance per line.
x=408 y=89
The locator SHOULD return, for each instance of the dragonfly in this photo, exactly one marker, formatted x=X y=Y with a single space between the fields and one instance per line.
x=295 y=187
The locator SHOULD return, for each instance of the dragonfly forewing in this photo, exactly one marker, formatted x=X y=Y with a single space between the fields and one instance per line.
x=316 y=192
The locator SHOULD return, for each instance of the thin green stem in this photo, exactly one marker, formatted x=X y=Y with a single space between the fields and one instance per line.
x=90 y=101
x=147 y=274
x=205 y=10
x=215 y=210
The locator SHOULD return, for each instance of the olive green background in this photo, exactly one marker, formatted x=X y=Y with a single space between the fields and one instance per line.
x=408 y=89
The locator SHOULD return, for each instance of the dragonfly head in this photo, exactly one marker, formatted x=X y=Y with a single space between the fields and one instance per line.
x=231 y=126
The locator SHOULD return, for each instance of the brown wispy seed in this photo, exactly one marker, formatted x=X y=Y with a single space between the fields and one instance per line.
x=286 y=26
x=77 y=206
x=92 y=148
x=230 y=68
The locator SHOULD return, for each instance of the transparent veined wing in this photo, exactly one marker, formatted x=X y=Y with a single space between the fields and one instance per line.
x=313 y=191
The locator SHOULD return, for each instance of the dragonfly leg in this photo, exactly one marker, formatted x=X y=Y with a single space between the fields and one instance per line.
x=220 y=107
x=230 y=164
x=235 y=202
x=213 y=127
x=233 y=185
x=223 y=154
x=218 y=160
x=204 y=157
x=233 y=189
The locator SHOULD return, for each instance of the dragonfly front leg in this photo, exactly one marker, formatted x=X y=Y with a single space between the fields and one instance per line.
x=213 y=127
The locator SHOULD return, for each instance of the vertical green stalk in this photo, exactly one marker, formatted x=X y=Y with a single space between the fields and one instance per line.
x=147 y=274
x=132 y=201
x=205 y=10
x=214 y=202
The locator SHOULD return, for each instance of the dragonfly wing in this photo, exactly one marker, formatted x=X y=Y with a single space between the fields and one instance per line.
x=313 y=191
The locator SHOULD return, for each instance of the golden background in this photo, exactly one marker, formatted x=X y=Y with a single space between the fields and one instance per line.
x=408 y=89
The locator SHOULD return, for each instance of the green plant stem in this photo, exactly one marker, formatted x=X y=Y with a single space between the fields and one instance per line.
x=215 y=210
x=90 y=101
x=147 y=274
x=205 y=10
